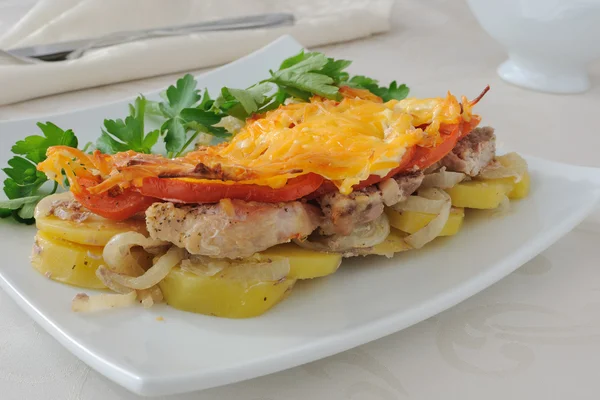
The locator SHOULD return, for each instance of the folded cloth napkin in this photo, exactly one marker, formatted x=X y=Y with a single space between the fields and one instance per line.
x=318 y=22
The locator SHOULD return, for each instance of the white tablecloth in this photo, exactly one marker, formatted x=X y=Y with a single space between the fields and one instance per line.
x=534 y=335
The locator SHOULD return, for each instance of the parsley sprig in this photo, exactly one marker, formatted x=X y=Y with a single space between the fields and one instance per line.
x=394 y=91
x=23 y=187
x=122 y=135
x=301 y=77
x=188 y=114
x=185 y=113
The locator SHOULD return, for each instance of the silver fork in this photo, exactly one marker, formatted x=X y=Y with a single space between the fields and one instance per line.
x=75 y=49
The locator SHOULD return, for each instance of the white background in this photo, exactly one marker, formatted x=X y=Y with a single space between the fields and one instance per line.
x=536 y=334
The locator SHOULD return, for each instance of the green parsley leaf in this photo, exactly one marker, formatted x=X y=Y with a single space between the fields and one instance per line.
x=24 y=207
x=299 y=65
x=108 y=145
x=200 y=116
x=175 y=136
x=184 y=116
x=242 y=103
x=293 y=60
x=122 y=135
x=309 y=73
x=181 y=96
x=386 y=93
x=275 y=101
x=15 y=204
x=27 y=210
x=34 y=147
x=335 y=69
x=206 y=103
x=22 y=187
x=311 y=82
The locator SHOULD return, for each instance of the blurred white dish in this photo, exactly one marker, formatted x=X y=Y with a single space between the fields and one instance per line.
x=549 y=42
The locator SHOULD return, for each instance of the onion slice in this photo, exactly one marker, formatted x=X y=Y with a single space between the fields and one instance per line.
x=201 y=267
x=149 y=297
x=84 y=303
x=506 y=166
x=364 y=236
x=103 y=274
x=117 y=252
x=434 y=228
x=503 y=208
x=420 y=204
x=151 y=277
x=442 y=179
x=390 y=191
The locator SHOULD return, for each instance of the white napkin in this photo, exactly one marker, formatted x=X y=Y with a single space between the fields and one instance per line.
x=318 y=22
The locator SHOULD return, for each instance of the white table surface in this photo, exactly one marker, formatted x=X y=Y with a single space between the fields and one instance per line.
x=533 y=335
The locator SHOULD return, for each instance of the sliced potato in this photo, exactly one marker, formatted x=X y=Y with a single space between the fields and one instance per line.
x=305 y=263
x=412 y=221
x=479 y=194
x=394 y=243
x=67 y=262
x=94 y=231
x=520 y=189
x=222 y=296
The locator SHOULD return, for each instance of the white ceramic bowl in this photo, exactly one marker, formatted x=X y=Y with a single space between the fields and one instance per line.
x=549 y=42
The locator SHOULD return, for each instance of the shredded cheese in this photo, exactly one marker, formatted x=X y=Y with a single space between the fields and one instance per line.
x=344 y=142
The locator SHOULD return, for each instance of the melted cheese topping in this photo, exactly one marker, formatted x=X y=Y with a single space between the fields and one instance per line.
x=344 y=142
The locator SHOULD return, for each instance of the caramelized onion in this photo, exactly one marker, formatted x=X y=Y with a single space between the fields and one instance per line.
x=420 y=204
x=442 y=179
x=367 y=235
x=84 y=303
x=151 y=277
x=426 y=234
x=117 y=252
x=506 y=166
x=389 y=191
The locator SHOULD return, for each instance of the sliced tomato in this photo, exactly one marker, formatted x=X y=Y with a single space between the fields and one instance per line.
x=113 y=204
x=201 y=191
x=427 y=156
x=467 y=127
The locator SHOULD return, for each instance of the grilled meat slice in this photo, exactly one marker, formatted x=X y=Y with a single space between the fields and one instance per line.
x=399 y=187
x=473 y=152
x=231 y=228
x=345 y=212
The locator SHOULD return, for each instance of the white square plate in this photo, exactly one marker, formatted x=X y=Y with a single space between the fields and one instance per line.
x=367 y=299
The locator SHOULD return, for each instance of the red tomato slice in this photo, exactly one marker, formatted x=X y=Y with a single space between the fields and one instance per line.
x=116 y=206
x=467 y=127
x=427 y=156
x=187 y=191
